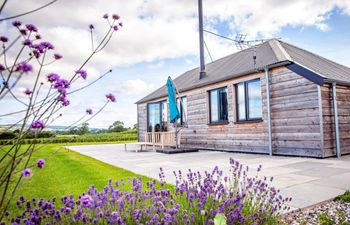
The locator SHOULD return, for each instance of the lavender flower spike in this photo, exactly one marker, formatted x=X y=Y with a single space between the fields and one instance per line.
x=110 y=97
x=86 y=201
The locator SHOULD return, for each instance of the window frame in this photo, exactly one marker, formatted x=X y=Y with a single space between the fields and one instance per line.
x=246 y=102
x=181 y=110
x=219 y=121
x=159 y=103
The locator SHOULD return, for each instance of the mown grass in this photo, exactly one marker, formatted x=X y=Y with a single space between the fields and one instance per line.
x=68 y=172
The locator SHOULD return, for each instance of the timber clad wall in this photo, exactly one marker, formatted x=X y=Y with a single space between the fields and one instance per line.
x=343 y=99
x=296 y=114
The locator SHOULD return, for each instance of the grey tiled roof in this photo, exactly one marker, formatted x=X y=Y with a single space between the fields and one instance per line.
x=242 y=63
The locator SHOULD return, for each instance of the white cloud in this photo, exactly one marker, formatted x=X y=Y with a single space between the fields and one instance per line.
x=156 y=30
x=134 y=87
x=156 y=65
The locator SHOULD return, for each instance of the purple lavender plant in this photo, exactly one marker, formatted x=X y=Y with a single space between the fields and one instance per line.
x=196 y=199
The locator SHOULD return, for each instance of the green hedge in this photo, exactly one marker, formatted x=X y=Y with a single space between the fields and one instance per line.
x=104 y=137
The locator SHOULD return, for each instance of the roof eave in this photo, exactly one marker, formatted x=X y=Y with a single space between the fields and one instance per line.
x=270 y=66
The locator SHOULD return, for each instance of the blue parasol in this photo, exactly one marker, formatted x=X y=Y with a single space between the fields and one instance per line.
x=174 y=111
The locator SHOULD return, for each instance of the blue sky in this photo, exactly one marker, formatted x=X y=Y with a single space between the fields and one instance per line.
x=161 y=39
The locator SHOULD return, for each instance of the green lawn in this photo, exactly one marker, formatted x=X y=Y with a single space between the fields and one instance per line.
x=67 y=172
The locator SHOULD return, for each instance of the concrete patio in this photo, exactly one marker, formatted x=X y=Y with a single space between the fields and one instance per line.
x=308 y=181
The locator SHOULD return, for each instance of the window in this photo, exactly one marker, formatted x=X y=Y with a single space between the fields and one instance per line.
x=157 y=117
x=218 y=106
x=248 y=100
x=182 y=109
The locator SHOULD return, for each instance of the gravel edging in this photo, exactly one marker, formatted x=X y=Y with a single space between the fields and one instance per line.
x=336 y=212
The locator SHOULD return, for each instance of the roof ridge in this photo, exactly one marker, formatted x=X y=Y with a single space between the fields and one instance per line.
x=279 y=51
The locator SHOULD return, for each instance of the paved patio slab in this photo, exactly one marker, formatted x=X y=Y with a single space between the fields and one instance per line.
x=308 y=181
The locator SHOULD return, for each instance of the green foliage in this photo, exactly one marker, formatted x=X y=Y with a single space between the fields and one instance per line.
x=325 y=219
x=344 y=197
x=117 y=126
x=83 y=129
x=129 y=135
x=13 y=134
x=220 y=219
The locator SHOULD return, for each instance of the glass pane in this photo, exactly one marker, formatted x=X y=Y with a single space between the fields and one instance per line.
x=223 y=104
x=178 y=121
x=154 y=117
x=184 y=110
x=254 y=97
x=214 y=112
x=164 y=116
x=241 y=101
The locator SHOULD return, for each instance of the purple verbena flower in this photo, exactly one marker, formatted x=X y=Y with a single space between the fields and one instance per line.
x=61 y=83
x=2 y=67
x=24 y=67
x=88 y=111
x=28 y=91
x=115 y=28
x=27 y=42
x=38 y=36
x=110 y=97
x=120 y=24
x=105 y=16
x=47 y=45
x=16 y=23
x=31 y=27
x=91 y=26
x=115 y=16
x=53 y=77
x=4 y=39
x=27 y=172
x=23 y=31
x=38 y=124
x=82 y=73
x=57 y=56
x=65 y=102
x=40 y=163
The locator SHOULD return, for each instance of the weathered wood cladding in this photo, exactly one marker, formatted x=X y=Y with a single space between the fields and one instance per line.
x=295 y=113
x=343 y=100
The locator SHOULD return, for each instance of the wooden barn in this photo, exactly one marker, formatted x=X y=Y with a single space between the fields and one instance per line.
x=274 y=98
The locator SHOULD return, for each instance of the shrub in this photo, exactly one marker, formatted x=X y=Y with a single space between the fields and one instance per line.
x=197 y=199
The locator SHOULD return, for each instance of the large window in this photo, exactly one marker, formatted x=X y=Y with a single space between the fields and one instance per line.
x=248 y=99
x=218 y=106
x=157 y=120
x=183 y=110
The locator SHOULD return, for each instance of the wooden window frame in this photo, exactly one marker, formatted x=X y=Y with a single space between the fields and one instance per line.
x=246 y=102
x=160 y=114
x=218 y=122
